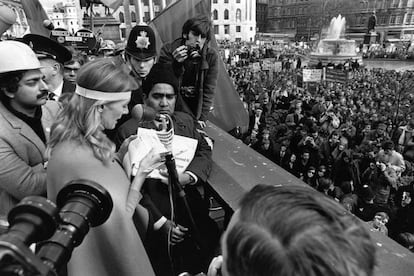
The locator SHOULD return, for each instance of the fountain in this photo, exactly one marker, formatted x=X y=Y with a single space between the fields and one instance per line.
x=334 y=48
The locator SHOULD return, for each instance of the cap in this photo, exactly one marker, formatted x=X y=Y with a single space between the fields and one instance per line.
x=47 y=48
x=141 y=42
x=160 y=73
x=15 y=56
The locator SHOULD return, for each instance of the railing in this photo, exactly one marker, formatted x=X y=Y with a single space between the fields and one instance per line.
x=237 y=168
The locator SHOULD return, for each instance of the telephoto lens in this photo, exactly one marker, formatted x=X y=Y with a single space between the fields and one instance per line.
x=32 y=220
x=83 y=204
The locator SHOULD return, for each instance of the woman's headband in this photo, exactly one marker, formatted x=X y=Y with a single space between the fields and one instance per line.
x=102 y=96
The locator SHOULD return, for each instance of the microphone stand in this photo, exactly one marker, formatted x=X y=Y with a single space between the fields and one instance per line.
x=177 y=189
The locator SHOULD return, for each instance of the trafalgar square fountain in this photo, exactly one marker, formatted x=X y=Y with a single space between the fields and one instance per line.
x=334 y=48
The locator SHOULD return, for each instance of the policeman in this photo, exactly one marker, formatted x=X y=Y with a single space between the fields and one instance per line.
x=52 y=56
x=140 y=56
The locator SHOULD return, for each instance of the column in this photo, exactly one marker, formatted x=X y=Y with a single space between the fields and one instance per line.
x=151 y=9
x=127 y=15
x=138 y=11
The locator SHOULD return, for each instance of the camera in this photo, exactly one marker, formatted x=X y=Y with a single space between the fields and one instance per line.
x=194 y=52
x=57 y=229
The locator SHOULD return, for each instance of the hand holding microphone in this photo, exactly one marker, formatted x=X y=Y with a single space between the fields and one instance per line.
x=151 y=161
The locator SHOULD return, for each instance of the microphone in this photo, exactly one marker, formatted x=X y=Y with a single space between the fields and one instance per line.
x=144 y=113
x=166 y=133
x=48 y=24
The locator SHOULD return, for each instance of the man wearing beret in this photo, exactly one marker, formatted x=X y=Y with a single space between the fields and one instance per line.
x=26 y=117
x=52 y=57
x=160 y=90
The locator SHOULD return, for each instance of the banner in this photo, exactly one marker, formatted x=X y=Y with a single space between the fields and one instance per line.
x=228 y=110
x=336 y=75
x=312 y=75
x=35 y=15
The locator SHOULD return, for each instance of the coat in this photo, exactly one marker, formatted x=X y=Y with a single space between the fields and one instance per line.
x=207 y=75
x=115 y=247
x=22 y=155
x=156 y=200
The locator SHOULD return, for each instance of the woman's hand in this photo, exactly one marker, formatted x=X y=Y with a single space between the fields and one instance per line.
x=150 y=161
x=124 y=147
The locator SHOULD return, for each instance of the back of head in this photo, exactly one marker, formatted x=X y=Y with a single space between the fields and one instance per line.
x=200 y=25
x=106 y=75
x=293 y=230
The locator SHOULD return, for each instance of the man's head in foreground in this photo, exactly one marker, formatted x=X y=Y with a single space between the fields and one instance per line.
x=293 y=230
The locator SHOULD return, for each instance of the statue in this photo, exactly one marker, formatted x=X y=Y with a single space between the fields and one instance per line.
x=89 y=6
x=372 y=22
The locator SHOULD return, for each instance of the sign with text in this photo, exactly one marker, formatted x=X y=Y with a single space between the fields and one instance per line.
x=312 y=75
x=336 y=75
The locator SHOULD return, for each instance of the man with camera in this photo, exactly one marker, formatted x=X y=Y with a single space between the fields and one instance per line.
x=195 y=63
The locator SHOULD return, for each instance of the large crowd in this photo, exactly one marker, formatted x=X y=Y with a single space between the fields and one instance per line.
x=108 y=117
x=352 y=141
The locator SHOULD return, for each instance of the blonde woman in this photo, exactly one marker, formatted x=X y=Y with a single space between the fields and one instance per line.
x=79 y=149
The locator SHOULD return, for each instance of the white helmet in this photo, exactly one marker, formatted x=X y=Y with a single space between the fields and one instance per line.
x=15 y=56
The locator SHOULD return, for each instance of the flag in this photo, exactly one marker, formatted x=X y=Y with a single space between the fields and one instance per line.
x=228 y=110
x=35 y=15
x=113 y=4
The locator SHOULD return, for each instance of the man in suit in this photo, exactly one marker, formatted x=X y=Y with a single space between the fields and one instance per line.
x=52 y=57
x=25 y=120
x=160 y=93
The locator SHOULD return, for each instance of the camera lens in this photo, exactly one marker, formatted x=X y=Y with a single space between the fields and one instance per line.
x=83 y=204
x=33 y=219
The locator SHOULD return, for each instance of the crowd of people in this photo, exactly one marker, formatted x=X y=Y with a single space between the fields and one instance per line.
x=66 y=115
x=351 y=140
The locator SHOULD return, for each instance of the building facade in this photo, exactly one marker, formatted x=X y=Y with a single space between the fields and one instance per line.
x=261 y=15
x=21 y=26
x=307 y=19
x=66 y=15
x=234 y=20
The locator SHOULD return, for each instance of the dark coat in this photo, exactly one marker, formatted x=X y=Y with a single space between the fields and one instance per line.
x=207 y=75
x=156 y=200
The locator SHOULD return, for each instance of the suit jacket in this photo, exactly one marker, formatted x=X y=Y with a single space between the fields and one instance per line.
x=22 y=155
x=115 y=247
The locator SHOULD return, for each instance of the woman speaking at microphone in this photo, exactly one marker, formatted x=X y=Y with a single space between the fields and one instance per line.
x=79 y=149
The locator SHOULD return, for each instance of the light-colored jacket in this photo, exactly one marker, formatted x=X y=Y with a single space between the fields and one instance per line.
x=115 y=247
x=22 y=157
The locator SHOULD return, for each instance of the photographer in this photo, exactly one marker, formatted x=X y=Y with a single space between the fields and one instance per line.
x=195 y=63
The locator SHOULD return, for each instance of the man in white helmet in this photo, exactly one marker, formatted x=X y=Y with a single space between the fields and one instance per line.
x=26 y=117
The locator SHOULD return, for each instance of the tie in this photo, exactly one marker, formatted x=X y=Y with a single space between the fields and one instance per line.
x=51 y=96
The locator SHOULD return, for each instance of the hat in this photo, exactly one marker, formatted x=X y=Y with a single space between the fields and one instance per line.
x=16 y=56
x=141 y=42
x=160 y=73
x=47 y=48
